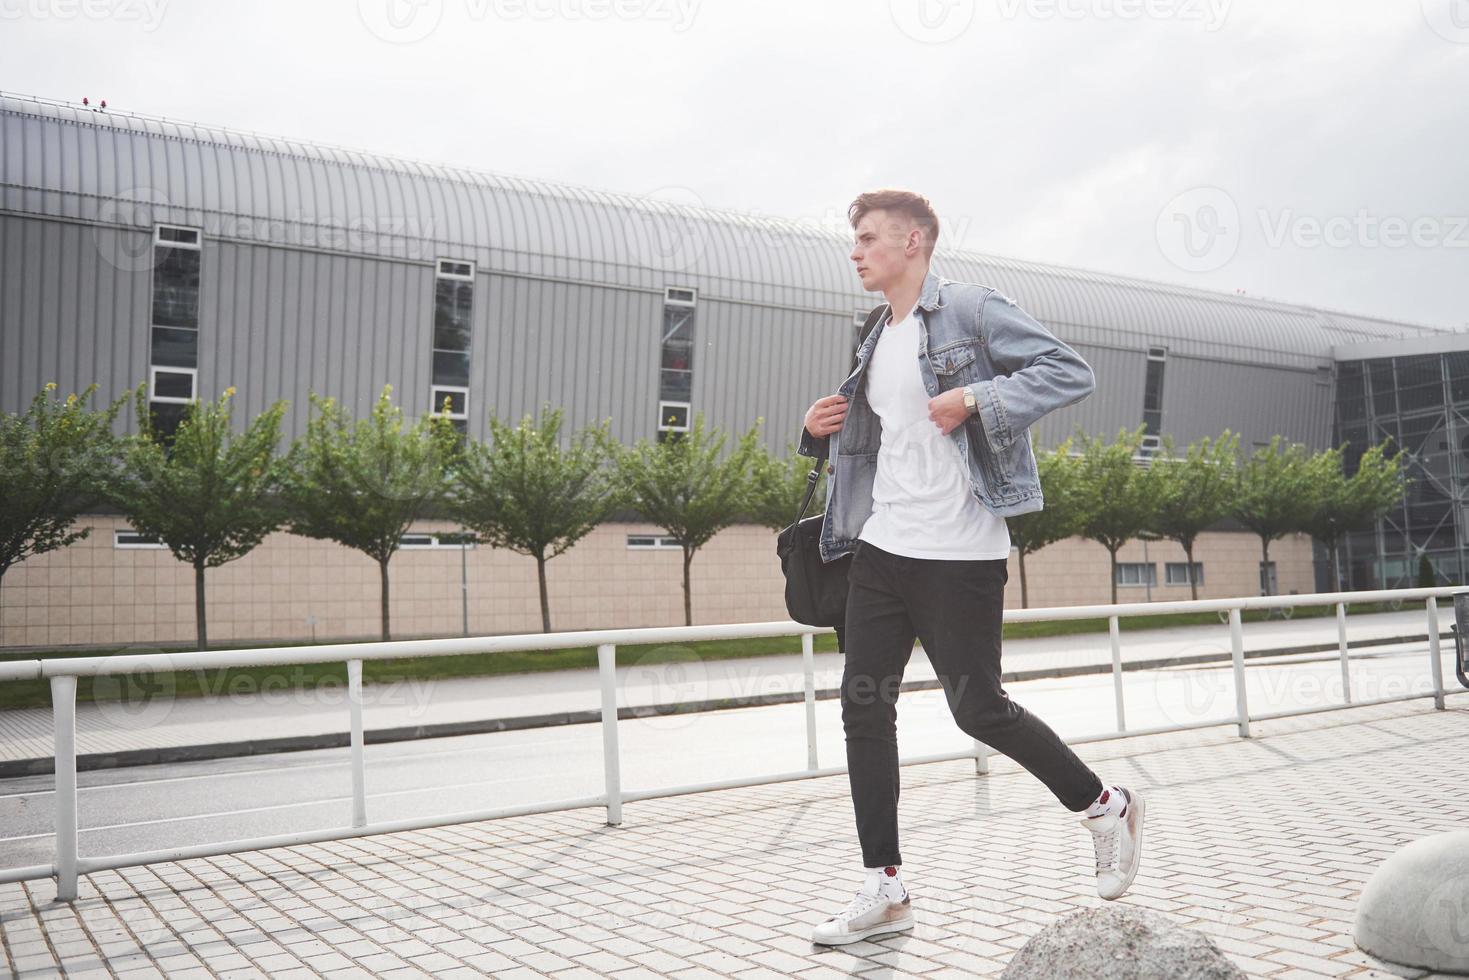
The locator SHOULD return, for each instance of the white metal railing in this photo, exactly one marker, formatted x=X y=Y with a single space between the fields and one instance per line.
x=63 y=673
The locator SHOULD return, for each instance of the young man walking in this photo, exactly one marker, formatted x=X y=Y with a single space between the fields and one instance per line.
x=930 y=451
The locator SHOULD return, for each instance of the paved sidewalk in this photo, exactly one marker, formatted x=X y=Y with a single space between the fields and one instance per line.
x=1262 y=843
x=274 y=720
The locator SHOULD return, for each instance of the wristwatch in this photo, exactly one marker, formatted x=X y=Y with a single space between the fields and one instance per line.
x=969 y=404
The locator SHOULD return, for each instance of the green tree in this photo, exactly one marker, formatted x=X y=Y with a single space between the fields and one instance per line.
x=682 y=485
x=57 y=461
x=210 y=494
x=777 y=484
x=1193 y=492
x=524 y=492
x=363 y=482
x=1274 y=495
x=1064 y=514
x=1345 y=503
x=1121 y=505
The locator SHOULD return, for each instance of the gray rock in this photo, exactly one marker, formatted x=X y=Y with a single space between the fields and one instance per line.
x=1414 y=910
x=1119 y=942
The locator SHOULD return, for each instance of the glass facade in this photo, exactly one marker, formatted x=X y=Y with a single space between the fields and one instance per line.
x=1419 y=404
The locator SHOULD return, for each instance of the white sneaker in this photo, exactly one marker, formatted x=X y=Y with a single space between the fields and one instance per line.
x=869 y=914
x=1119 y=843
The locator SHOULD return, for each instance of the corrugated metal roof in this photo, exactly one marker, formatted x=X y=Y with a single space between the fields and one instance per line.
x=64 y=160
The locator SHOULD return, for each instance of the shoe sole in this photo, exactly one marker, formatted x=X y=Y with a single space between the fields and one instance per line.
x=856 y=937
x=1139 y=808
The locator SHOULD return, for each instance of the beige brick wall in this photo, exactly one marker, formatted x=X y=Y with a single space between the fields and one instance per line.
x=94 y=593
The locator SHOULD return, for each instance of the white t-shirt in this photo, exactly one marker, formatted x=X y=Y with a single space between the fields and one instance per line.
x=921 y=503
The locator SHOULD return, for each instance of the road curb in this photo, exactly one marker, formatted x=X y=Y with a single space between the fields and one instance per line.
x=330 y=740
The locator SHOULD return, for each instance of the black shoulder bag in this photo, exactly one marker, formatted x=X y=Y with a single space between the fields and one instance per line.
x=816 y=591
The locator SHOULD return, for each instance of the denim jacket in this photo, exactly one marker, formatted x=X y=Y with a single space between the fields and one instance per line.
x=969 y=336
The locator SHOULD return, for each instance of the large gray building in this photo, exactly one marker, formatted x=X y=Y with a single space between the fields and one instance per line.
x=195 y=257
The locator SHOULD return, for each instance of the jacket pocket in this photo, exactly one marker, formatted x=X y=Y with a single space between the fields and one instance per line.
x=954 y=363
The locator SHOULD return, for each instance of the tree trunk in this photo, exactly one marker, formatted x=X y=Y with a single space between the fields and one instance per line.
x=1024 y=594
x=382 y=564
x=200 y=625
x=1112 y=552
x=688 y=601
x=1188 y=556
x=1335 y=565
x=545 y=602
x=1264 y=564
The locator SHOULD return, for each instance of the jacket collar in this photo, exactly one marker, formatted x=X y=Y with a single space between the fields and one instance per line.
x=928 y=297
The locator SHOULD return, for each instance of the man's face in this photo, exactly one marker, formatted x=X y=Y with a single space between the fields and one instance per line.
x=881 y=251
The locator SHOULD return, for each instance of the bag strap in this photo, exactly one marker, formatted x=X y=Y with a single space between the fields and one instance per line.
x=878 y=312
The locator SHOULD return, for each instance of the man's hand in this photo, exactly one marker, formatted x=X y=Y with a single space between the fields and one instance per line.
x=947 y=410
x=827 y=415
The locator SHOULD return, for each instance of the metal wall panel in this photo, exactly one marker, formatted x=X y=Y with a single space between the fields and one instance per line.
x=318 y=275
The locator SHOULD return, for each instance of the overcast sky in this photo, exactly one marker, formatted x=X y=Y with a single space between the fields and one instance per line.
x=1309 y=150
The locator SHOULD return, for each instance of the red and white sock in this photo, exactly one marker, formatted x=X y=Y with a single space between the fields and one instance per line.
x=1110 y=801
x=886 y=879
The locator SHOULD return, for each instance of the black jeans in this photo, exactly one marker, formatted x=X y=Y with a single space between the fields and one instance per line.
x=955 y=609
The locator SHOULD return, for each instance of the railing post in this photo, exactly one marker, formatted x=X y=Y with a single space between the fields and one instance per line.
x=64 y=722
x=981 y=757
x=1341 y=646
x=1435 y=653
x=1237 y=651
x=607 y=669
x=808 y=667
x=359 y=764
x=1112 y=628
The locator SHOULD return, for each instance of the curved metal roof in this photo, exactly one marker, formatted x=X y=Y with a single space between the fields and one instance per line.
x=68 y=161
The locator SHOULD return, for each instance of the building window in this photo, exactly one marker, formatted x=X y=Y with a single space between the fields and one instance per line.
x=445 y=539
x=174 y=321
x=676 y=364
x=1153 y=392
x=646 y=542
x=453 y=327
x=1176 y=573
x=125 y=538
x=1137 y=573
